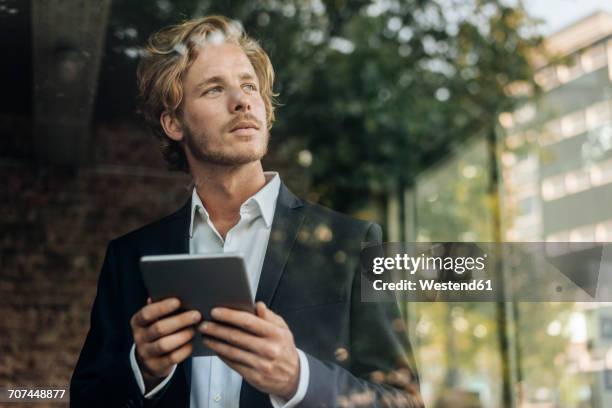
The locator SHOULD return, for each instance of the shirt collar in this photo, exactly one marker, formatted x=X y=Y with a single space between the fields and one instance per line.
x=264 y=202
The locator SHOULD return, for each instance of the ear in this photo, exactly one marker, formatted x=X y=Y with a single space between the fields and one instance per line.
x=172 y=126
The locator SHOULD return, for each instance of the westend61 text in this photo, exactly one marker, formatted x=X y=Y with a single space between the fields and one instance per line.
x=431 y=284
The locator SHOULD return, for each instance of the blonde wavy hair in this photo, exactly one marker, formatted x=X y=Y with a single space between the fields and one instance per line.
x=170 y=53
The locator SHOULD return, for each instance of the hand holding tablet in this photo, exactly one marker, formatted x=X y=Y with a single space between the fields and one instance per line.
x=162 y=338
x=200 y=282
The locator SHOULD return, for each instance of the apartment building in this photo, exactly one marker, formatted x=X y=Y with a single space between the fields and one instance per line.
x=556 y=157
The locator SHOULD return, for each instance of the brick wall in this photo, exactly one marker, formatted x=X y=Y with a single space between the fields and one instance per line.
x=56 y=224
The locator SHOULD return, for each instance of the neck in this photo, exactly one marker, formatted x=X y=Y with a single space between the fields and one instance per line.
x=223 y=189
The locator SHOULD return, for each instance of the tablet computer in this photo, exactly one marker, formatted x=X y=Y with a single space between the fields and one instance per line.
x=201 y=282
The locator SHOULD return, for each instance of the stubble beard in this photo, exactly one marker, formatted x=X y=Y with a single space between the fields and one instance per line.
x=201 y=151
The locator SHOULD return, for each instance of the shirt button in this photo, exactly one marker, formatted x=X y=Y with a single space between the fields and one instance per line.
x=217 y=398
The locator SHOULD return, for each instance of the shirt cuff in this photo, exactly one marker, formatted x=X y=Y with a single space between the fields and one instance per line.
x=139 y=379
x=278 y=402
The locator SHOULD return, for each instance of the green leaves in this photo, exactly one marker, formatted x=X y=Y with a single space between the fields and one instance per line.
x=374 y=90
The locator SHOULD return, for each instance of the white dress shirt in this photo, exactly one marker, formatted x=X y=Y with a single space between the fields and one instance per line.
x=213 y=383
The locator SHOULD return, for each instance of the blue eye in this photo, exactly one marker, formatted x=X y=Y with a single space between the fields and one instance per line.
x=251 y=87
x=211 y=91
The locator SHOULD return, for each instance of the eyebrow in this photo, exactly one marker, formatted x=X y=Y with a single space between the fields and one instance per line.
x=217 y=79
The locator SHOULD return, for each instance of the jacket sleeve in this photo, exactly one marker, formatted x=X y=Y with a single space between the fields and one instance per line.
x=382 y=369
x=103 y=375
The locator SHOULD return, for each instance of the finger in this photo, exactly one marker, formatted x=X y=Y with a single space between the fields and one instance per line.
x=244 y=320
x=235 y=354
x=150 y=313
x=236 y=337
x=260 y=309
x=167 y=344
x=169 y=325
x=149 y=301
x=245 y=371
x=170 y=359
x=269 y=316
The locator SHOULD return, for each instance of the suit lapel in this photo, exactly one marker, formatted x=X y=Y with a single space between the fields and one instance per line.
x=287 y=220
x=178 y=235
x=173 y=238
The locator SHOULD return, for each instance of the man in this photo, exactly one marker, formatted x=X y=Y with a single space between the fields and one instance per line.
x=206 y=90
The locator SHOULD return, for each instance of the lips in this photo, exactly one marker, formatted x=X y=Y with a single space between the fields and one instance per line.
x=245 y=125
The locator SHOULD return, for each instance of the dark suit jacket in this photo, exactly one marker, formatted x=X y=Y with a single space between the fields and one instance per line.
x=358 y=352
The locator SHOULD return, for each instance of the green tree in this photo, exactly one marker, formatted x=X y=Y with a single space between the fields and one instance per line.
x=371 y=91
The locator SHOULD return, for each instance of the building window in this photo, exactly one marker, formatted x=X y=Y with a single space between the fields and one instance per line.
x=576 y=181
x=525 y=114
x=514 y=141
x=594 y=58
x=547 y=78
x=506 y=120
x=573 y=124
x=551 y=133
x=571 y=71
x=598 y=114
x=601 y=173
x=585 y=233
x=553 y=188
x=603 y=231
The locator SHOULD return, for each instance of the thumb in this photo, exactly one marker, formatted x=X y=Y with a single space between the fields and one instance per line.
x=267 y=314
x=261 y=310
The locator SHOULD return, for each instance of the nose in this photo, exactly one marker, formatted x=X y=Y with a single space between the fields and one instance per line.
x=239 y=101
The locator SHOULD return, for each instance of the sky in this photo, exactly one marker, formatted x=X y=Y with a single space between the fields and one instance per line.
x=558 y=14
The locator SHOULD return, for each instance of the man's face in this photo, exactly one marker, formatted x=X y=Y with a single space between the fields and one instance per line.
x=223 y=114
